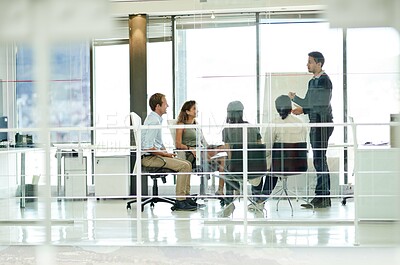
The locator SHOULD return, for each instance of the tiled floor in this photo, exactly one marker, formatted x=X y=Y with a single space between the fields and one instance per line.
x=107 y=222
x=205 y=255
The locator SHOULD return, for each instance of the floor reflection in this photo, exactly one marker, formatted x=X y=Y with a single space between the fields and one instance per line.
x=107 y=222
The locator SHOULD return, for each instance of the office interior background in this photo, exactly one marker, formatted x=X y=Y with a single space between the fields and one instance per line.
x=66 y=80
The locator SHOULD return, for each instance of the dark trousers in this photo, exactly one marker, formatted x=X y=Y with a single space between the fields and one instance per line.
x=319 y=137
x=266 y=186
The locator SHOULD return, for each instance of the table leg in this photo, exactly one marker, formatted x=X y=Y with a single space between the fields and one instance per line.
x=22 y=200
x=59 y=156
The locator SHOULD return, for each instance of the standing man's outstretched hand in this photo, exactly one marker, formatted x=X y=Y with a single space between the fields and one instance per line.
x=297 y=111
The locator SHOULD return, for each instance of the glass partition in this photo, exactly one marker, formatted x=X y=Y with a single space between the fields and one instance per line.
x=213 y=61
x=219 y=67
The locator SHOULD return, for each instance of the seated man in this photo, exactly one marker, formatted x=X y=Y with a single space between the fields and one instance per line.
x=152 y=145
x=285 y=134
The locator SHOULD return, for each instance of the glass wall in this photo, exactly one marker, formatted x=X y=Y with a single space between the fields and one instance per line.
x=373 y=81
x=215 y=61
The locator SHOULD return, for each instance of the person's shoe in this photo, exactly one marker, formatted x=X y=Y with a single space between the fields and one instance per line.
x=256 y=207
x=307 y=205
x=192 y=202
x=311 y=203
x=184 y=206
x=228 y=210
x=323 y=203
x=318 y=202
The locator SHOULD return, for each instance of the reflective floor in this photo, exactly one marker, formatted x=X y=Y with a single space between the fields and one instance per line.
x=107 y=222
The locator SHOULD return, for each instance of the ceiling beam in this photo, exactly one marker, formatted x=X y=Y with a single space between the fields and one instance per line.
x=181 y=7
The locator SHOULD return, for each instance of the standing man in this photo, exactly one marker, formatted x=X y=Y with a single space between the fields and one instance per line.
x=317 y=104
x=153 y=148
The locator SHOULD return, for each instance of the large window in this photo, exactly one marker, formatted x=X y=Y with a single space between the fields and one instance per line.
x=159 y=79
x=220 y=68
x=111 y=100
x=112 y=96
x=373 y=80
x=69 y=91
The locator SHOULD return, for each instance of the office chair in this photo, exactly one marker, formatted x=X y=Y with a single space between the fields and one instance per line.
x=288 y=159
x=154 y=173
x=256 y=167
x=355 y=148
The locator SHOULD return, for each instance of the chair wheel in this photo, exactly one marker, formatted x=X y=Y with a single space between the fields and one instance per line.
x=128 y=207
x=343 y=202
x=222 y=202
x=173 y=208
x=152 y=204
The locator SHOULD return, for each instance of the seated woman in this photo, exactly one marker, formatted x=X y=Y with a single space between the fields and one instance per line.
x=234 y=136
x=279 y=134
x=188 y=138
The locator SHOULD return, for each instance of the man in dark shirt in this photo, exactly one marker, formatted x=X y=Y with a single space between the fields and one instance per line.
x=317 y=104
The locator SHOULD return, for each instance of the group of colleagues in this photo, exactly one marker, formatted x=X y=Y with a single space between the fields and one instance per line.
x=316 y=104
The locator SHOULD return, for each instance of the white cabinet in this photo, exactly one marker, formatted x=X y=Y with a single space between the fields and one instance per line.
x=75 y=176
x=112 y=176
x=8 y=173
x=378 y=183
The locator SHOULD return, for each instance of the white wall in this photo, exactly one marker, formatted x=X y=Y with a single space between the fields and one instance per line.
x=7 y=88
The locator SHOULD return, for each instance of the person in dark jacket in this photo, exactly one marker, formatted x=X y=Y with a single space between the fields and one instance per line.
x=317 y=104
x=231 y=137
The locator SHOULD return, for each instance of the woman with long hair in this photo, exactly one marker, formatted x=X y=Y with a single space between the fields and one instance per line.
x=190 y=138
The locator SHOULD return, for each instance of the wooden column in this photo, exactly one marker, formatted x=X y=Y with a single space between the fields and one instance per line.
x=138 y=80
x=138 y=63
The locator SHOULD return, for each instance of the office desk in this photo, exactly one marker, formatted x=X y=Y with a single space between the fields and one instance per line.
x=7 y=156
x=110 y=173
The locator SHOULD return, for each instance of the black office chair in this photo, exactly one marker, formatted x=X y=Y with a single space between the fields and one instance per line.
x=256 y=167
x=350 y=192
x=288 y=159
x=154 y=173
